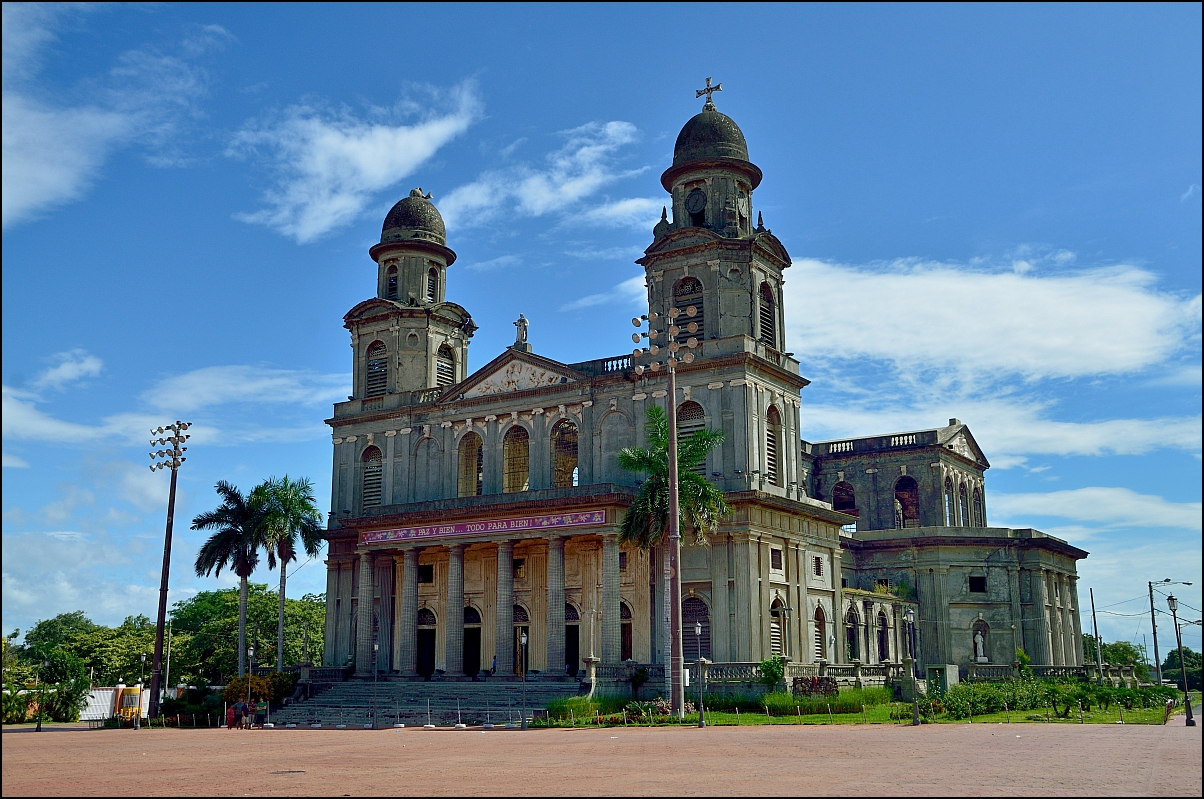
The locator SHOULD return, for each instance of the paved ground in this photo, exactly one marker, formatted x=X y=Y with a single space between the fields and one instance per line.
x=938 y=760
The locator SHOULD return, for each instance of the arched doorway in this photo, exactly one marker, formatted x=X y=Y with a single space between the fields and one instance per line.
x=472 y=641
x=851 y=650
x=821 y=632
x=426 y=642
x=572 y=640
x=522 y=626
x=883 y=639
x=907 y=502
x=694 y=611
x=776 y=618
x=624 y=631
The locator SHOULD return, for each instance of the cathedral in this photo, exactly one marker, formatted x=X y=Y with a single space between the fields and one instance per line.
x=475 y=515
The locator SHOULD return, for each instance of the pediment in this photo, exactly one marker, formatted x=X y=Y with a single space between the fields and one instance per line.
x=682 y=237
x=773 y=245
x=962 y=442
x=373 y=307
x=515 y=370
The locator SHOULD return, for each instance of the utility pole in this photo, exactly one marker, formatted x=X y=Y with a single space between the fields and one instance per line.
x=173 y=458
x=1099 y=647
x=1154 y=627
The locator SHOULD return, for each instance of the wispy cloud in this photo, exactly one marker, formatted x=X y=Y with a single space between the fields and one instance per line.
x=631 y=292
x=72 y=366
x=1109 y=508
x=13 y=462
x=1192 y=191
x=636 y=212
x=995 y=323
x=327 y=165
x=501 y=262
x=54 y=150
x=219 y=385
x=584 y=164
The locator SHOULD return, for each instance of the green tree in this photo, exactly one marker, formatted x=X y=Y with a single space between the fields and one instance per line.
x=60 y=631
x=700 y=504
x=1118 y=653
x=66 y=685
x=1171 y=670
x=114 y=654
x=239 y=535
x=291 y=520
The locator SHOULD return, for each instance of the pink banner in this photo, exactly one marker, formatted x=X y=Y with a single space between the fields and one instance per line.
x=493 y=526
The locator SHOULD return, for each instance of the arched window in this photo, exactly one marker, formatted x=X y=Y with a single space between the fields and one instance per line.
x=776 y=614
x=883 y=639
x=516 y=460
x=571 y=616
x=851 y=650
x=432 y=285
x=950 y=506
x=767 y=317
x=564 y=454
x=391 y=283
x=373 y=473
x=521 y=616
x=963 y=506
x=378 y=370
x=691 y=417
x=821 y=632
x=844 y=499
x=426 y=617
x=979 y=521
x=624 y=631
x=471 y=466
x=687 y=292
x=472 y=617
x=445 y=366
x=773 y=442
x=907 y=502
x=694 y=610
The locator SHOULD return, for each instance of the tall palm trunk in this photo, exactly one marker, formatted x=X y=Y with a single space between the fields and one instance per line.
x=280 y=619
x=242 y=625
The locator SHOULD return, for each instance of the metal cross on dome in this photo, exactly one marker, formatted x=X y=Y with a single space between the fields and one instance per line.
x=708 y=91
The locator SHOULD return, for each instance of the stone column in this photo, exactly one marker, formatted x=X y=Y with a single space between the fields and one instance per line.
x=1078 y=622
x=1055 y=622
x=555 y=606
x=1043 y=656
x=332 y=592
x=611 y=642
x=1017 y=620
x=363 y=633
x=504 y=630
x=407 y=622
x=453 y=634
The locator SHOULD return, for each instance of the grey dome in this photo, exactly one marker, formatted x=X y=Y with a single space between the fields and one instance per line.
x=708 y=135
x=414 y=217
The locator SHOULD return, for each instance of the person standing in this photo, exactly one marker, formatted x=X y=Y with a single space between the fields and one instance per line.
x=230 y=717
x=261 y=712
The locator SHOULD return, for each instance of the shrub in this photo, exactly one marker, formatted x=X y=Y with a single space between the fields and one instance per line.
x=281 y=684
x=772 y=670
x=261 y=688
x=16 y=705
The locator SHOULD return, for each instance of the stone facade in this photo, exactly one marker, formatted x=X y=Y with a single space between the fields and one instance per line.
x=470 y=509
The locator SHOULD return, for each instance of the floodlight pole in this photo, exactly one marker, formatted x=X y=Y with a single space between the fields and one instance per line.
x=174 y=457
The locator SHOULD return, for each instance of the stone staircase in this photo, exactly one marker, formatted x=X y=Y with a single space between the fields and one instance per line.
x=351 y=702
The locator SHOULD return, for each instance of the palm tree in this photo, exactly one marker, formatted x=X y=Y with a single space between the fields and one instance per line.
x=291 y=517
x=700 y=504
x=238 y=522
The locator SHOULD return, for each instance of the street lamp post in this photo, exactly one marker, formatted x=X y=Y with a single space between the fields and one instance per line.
x=676 y=659
x=915 y=688
x=1154 y=622
x=522 y=639
x=250 y=674
x=1173 y=604
x=375 y=660
x=42 y=693
x=173 y=457
x=702 y=721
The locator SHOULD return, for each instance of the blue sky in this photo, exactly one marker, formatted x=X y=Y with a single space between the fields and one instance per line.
x=994 y=213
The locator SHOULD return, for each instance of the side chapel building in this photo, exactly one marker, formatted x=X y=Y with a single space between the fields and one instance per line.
x=470 y=508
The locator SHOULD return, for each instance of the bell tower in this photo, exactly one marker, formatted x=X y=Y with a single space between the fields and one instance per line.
x=409 y=338
x=710 y=254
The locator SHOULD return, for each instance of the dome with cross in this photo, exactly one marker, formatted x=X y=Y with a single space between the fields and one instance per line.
x=709 y=135
x=414 y=217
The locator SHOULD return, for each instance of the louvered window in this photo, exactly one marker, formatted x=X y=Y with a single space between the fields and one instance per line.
x=775 y=636
x=694 y=610
x=689 y=293
x=821 y=648
x=378 y=370
x=690 y=417
x=767 y=316
x=471 y=465
x=516 y=461
x=373 y=474
x=773 y=438
x=432 y=285
x=564 y=455
x=445 y=367
x=391 y=283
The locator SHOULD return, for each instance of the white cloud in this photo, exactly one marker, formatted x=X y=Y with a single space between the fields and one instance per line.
x=53 y=152
x=13 y=462
x=635 y=212
x=328 y=165
x=1108 y=507
x=72 y=366
x=20 y=419
x=218 y=385
x=1192 y=191
x=631 y=291
x=981 y=323
x=501 y=262
x=581 y=167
